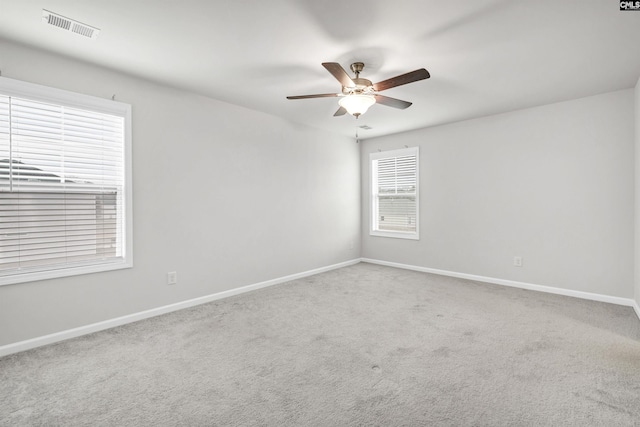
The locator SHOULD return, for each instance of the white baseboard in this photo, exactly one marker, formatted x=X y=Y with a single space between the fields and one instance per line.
x=130 y=318
x=522 y=285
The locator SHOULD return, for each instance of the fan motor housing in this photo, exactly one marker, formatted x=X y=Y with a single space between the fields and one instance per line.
x=363 y=86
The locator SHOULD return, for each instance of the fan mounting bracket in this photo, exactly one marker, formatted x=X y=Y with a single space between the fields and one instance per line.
x=357 y=67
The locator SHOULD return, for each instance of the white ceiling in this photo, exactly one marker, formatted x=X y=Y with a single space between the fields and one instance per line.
x=484 y=56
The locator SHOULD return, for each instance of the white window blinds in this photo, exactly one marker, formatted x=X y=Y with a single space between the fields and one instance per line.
x=62 y=187
x=394 y=198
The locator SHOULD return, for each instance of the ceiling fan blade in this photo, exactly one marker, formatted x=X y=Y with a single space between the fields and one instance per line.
x=392 y=102
x=339 y=73
x=319 y=95
x=341 y=112
x=403 y=79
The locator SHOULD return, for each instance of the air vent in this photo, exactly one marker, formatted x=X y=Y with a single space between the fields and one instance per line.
x=69 y=24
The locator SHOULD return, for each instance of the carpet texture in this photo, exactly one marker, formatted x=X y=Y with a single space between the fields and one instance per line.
x=359 y=346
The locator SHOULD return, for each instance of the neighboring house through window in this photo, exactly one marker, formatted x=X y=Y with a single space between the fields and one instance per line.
x=65 y=183
x=394 y=193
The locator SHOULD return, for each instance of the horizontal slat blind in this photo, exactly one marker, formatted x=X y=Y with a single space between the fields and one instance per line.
x=61 y=186
x=397 y=213
x=395 y=193
x=397 y=175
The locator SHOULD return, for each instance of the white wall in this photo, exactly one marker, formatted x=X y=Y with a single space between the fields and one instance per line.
x=223 y=195
x=553 y=184
x=637 y=196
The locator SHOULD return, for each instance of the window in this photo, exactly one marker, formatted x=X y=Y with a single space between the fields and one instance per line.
x=65 y=186
x=394 y=193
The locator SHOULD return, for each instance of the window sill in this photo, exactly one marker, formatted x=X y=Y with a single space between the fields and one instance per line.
x=395 y=234
x=32 y=276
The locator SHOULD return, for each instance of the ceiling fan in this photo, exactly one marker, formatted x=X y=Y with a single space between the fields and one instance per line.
x=359 y=94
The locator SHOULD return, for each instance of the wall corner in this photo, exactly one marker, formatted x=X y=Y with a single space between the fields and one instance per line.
x=636 y=258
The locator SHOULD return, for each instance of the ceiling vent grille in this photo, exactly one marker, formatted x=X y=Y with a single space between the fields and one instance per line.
x=69 y=24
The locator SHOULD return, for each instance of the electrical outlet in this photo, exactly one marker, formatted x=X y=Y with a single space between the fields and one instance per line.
x=172 y=278
x=517 y=261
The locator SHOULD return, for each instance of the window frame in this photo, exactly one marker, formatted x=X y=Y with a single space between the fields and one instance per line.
x=36 y=92
x=373 y=195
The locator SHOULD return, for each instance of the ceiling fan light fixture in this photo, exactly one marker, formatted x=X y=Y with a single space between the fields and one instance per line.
x=359 y=94
x=356 y=105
